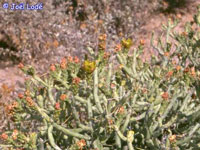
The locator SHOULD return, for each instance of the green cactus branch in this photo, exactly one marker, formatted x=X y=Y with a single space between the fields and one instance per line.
x=108 y=79
x=43 y=114
x=127 y=120
x=174 y=99
x=188 y=138
x=86 y=128
x=120 y=134
x=82 y=100
x=95 y=91
x=51 y=138
x=70 y=133
x=134 y=63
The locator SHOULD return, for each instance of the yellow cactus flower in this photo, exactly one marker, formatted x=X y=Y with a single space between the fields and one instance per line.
x=127 y=43
x=130 y=136
x=89 y=66
x=123 y=82
x=121 y=66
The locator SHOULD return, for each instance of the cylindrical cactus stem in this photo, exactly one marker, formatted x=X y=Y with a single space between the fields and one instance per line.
x=83 y=101
x=150 y=73
x=51 y=138
x=41 y=144
x=63 y=83
x=157 y=49
x=130 y=146
x=121 y=92
x=123 y=57
x=43 y=114
x=115 y=95
x=128 y=71
x=43 y=128
x=89 y=108
x=108 y=79
x=85 y=128
x=130 y=138
x=174 y=99
x=118 y=141
x=71 y=133
x=125 y=147
x=80 y=99
x=78 y=130
x=148 y=132
x=134 y=99
x=51 y=96
x=124 y=127
x=120 y=133
x=91 y=51
x=140 y=117
x=40 y=101
x=35 y=77
x=146 y=76
x=76 y=116
x=173 y=119
x=197 y=109
x=150 y=144
x=134 y=63
x=95 y=91
x=110 y=106
x=123 y=100
x=188 y=138
x=48 y=147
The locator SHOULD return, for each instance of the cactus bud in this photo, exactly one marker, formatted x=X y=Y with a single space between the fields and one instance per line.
x=70 y=59
x=63 y=63
x=102 y=37
x=186 y=70
x=142 y=42
x=166 y=54
x=76 y=60
x=172 y=138
x=121 y=110
x=106 y=55
x=57 y=106
x=27 y=93
x=81 y=143
x=165 y=96
x=118 y=48
x=20 y=65
x=4 y=136
x=14 y=134
x=76 y=80
x=102 y=46
x=29 y=101
x=63 y=97
x=178 y=68
x=192 y=72
x=52 y=67
x=20 y=95
x=169 y=74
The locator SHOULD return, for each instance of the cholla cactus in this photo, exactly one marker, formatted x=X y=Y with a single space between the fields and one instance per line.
x=140 y=105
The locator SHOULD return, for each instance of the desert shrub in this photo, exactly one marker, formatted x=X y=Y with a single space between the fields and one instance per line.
x=94 y=105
